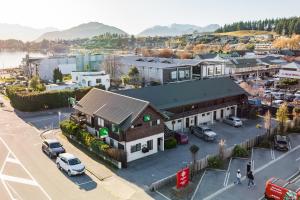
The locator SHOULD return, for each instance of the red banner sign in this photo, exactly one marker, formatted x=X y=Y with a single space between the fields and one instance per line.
x=182 y=177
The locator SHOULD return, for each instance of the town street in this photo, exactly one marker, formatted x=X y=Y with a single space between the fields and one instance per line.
x=28 y=174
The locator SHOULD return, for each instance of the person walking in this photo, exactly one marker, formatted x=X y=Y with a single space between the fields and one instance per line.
x=248 y=167
x=250 y=177
x=238 y=177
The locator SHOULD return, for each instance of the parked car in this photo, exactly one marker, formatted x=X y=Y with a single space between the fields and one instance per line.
x=297 y=94
x=289 y=97
x=233 y=121
x=278 y=102
x=281 y=143
x=278 y=96
x=181 y=138
x=203 y=132
x=70 y=164
x=297 y=100
x=52 y=147
x=269 y=83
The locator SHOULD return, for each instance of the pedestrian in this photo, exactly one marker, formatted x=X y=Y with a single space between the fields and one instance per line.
x=238 y=177
x=250 y=179
x=248 y=167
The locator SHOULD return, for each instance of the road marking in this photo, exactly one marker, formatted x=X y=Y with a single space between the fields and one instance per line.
x=298 y=159
x=226 y=179
x=162 y=195
x=14 y=191
x=258 y=170
x=198 y=185
x=272 y=154
x=12 y=160
x=79 y=184
x=18 y=180
x=290 y=146
x=12 y=153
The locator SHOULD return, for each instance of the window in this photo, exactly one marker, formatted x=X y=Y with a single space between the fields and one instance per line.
x=100 y=122
x=203 y=115
x=174 y=75
x=111 y=142
x=207 y=114
x=98 y=80
x=158 y=121
x=218 y=70
x=150 y=144
x=187 y=73
x=179 y=121
x=120 y=146
x=76 y=78
x=115 y=128
x=135 y=148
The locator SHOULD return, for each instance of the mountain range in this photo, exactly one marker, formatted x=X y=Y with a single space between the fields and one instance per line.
x=18 y=32
x=177 y=29
x=86 y=30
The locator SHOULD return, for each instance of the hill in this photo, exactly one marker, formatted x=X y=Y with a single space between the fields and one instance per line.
x=177 y=30
x=86 y=30
x=18 y=32
x=245 y=33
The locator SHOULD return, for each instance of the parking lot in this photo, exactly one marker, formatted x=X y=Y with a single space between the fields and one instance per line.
x=166 y=163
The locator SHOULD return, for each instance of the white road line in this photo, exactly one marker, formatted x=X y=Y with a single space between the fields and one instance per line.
x=256 y=171
x=226 y=179
x=198 y=185
x=272 y=154
x=14 y=191
x=12 y=160
x=229 y=164
x=252 y=165
x=162 y=195
x=2 y=168
x=290 y=146
x=8 y=190
x=18 y=180
x=298 y=159
x=39 y=186
x=79 y=184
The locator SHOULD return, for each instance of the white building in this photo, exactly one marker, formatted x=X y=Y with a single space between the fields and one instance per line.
x=291 y=70
x=85 y=79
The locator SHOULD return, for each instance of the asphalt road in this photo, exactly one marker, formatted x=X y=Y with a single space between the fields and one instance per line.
x=26 y=173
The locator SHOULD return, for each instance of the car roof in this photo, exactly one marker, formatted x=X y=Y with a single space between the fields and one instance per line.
x=50 y=141
x=204 y=127
x=281 y=138
x=67 y=156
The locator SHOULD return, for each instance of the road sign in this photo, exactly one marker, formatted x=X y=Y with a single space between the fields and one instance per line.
x=182 y=178
x=103 y=132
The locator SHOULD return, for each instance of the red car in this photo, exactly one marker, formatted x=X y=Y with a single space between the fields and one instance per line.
x=282 y=190
x=181 y=138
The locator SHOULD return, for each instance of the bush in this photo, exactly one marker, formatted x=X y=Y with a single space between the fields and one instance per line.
x=170 y=143
x=215 y=162
x=36 y=101
x=265 y=143
x=69 y=127
x=288 y=82
x=239 y=151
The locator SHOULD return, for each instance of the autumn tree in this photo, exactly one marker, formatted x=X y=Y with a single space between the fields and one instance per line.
x=165 y=53
x=184 y=55
x=282 y=116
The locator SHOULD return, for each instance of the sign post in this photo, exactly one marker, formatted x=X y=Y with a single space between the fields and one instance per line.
x=182 y=178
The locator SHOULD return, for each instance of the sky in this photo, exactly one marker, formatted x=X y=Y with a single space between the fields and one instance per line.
x=133 y=16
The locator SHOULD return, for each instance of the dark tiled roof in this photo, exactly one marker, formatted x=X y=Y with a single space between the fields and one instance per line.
x=184 y=93
x=245 y=62
x=207 y=56
x=110 y=106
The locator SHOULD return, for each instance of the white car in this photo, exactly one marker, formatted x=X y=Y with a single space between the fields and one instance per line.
x=278 y=102
x=234 y=121
x=297 y=94
x=70 y=164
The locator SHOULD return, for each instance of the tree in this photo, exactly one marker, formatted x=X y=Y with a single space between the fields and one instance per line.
x=36 y=84
x=194 y=150
x=133 y=74
x=222 y=144
x=267 y=121
x=282 y=116
x=57 y=75
x=112 y=66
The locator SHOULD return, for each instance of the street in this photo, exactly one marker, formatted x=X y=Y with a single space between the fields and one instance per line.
x=28 y=174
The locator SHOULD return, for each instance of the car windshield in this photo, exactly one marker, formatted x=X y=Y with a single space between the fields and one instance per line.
x=237 y=120
x=282 y=142
x=74 y=161
x=55 y=145
x=207 y=129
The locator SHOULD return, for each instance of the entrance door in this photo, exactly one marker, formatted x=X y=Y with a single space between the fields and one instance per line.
x=215 y=115
x=222 y=113
x=187 y=122
x=196 y=121
x=160 y=144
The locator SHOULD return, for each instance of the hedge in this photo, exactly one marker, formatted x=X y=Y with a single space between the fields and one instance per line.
x=215 y=162
x=239 y=151
x=36 y=101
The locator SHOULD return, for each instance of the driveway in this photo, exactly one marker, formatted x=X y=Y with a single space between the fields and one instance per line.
x=145 y=171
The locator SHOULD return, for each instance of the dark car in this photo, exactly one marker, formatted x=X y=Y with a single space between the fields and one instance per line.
x=203 y=132
x=289 y=97
x=52 y=148
x=181 y=138
x=281 y=143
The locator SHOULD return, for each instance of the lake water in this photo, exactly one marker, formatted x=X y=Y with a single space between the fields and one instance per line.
x=10 y=59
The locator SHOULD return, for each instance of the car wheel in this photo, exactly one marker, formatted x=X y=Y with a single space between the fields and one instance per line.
x=58 y=166
x=69 y=173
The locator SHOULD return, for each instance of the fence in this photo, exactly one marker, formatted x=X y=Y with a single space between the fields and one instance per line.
x=203 y=163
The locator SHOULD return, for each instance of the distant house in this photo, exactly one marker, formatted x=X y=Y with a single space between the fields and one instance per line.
x=86 y=79
x=291 y=70
x=170 y=70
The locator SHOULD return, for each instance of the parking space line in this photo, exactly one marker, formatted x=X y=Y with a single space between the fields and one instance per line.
x=12 y=160
x=18 y=180
x=226 y=179
x=229 y=164
x=272 y=154
x=162 y=195
x=298 y=159
x=290 y=146
x=14 y=191
x=198 y=185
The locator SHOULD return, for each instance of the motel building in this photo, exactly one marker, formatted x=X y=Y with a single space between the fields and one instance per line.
x=291 y=70
x=136 y=118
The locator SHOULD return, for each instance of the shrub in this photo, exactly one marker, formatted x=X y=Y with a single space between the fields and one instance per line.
x=265 y=143
x=170 y=143
x=239 y=151
x=215 y=162
x=69 y=127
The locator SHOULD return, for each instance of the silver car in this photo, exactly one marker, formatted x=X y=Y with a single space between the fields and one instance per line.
x=52 y=148
x=234 y=121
